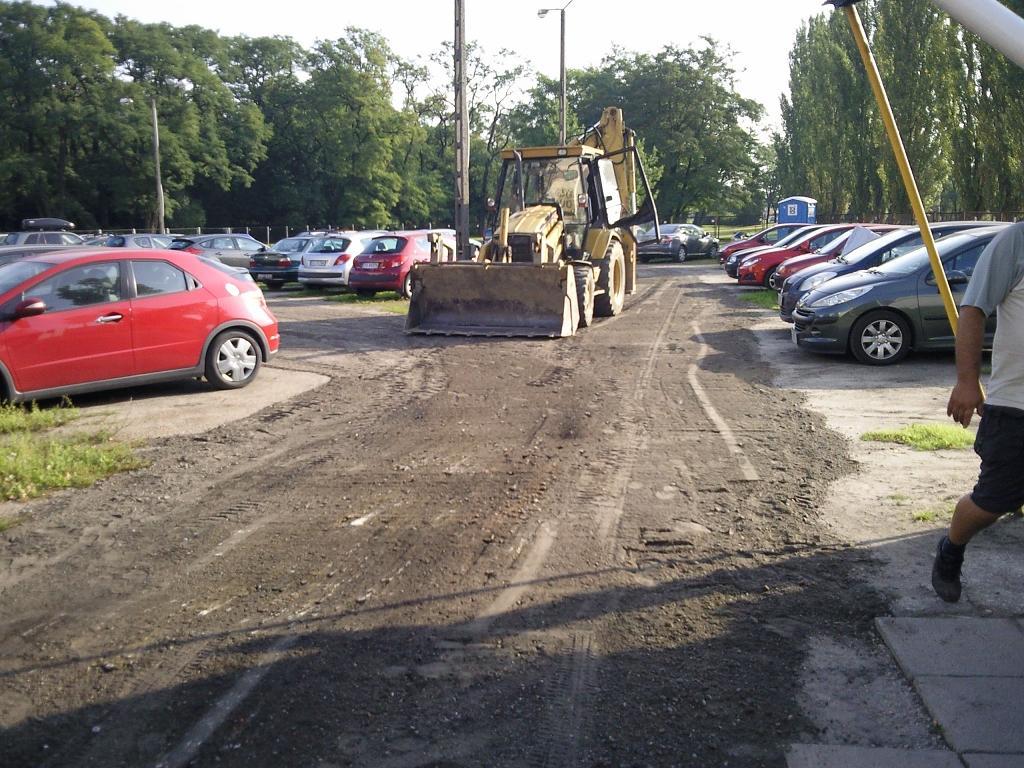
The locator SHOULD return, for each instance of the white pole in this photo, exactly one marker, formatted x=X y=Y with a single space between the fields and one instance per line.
x=992 y=21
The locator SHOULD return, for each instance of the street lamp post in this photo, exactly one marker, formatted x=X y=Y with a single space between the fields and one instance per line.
x=541 y=13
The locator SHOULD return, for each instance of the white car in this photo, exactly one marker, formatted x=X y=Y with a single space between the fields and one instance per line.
x=326 y=259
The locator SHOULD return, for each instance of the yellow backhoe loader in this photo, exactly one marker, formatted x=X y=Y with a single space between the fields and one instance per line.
x=564 y=246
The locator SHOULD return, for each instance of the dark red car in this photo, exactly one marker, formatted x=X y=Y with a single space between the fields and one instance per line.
x=758 y=269
x=766 y=237
x=73 y=321
x=829 y=252
x=386 y=262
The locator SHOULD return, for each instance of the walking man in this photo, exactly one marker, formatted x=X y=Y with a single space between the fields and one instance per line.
x=996 y=285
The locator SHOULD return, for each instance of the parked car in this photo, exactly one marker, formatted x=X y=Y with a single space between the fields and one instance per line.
x=141 y=240
x=885 y=248
x=12 y=253
x=44 y=231
x=880 y=314
x=856 y=235
x=758 y=269
x=679 y=241
x=766 y=237
x=386 y=262
x=732 y=263
x=234 y=250
x=82 y=321
x=326 y=259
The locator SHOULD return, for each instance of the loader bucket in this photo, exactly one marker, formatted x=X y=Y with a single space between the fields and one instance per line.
x=481 y=299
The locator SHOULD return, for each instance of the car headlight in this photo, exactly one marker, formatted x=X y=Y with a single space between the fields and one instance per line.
x=815 y=280
x=842 y=297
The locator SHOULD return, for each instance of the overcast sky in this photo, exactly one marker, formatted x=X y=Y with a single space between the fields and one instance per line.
x=761 y=33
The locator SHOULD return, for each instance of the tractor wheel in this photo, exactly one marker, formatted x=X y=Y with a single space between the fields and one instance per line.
x=612 y=281
x=584 y=277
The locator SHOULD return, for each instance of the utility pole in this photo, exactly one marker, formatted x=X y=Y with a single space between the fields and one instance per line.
x=541 y=13
x=462 y=250
x=159 y=178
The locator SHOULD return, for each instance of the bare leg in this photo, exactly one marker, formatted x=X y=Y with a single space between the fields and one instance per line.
x=968 y=519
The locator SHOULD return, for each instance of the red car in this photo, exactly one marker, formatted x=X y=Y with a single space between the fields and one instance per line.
x=74 y=321
x=766 y=237
x=829 y=252
x=386 y=262
x=758 y=269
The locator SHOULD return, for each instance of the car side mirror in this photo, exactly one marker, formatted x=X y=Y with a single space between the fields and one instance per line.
x=956 y=277
x=29 y=307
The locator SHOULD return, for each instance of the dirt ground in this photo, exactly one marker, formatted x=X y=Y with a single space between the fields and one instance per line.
x=618 y=549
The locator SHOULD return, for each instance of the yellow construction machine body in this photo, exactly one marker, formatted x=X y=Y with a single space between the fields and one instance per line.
x=563 y=248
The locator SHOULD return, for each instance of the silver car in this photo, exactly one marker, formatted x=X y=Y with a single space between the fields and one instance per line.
x=326 y=259
x=144 y=240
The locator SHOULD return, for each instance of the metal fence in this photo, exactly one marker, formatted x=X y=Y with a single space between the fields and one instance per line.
x=264 y=233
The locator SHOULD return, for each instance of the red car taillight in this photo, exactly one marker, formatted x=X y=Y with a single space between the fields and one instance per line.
x=252 y=263
x=194 y=249
x=343 y=259
x=284 y=262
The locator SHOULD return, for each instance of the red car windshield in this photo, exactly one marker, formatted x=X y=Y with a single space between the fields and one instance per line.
x=385 y=245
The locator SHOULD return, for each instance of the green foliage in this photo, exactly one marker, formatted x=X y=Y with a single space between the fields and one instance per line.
x=924 y=437
x=257 y=131
x=30 y=465
x=386 y=302
x=763 y=298
x=32 y=418
x=955 y=99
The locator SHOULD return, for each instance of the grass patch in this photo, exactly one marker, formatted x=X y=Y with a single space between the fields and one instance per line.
x=32 y=464
x=933 y=515
x=924 y=437
x=766 y=299
x=387 y=301
x=6 y=523
x=19 y=418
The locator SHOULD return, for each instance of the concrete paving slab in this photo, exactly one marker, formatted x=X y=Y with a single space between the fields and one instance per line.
x=994 y=761
x=825 y=756
x=977 y=714
x=968 y=647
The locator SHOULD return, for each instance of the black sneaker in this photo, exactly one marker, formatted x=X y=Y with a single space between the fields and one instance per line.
x=946 y=575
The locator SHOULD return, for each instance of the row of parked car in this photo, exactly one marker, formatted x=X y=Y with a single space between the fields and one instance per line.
x=862 y=289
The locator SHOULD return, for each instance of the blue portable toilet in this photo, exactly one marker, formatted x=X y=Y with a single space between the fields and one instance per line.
x=797 y=210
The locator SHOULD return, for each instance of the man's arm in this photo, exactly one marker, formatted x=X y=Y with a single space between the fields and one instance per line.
x=967 y=397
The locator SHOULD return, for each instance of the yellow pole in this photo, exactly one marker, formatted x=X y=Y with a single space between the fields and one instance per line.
x=903 y=162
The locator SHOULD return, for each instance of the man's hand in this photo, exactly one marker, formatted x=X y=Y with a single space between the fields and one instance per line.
x=965 y=400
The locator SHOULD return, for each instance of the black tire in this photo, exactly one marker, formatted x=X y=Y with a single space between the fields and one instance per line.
x=767 y=282
x=713 y=251
x=584 y=277
x=612 y=281
x=407 y=285
x=365 y=293
x=679 y=257
x=233 y=359
x=880 y=338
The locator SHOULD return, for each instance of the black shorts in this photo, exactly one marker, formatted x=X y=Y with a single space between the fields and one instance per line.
x=1000 y=444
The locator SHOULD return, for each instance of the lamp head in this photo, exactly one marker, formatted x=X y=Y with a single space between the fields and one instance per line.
x=542 y=13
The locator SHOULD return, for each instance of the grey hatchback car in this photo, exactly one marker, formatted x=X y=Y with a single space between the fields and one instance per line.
x=879 y=315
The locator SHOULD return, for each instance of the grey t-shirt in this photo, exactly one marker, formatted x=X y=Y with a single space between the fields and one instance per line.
x=997 y=284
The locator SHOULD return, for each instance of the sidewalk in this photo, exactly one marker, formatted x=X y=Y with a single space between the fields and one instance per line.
x=965 y=662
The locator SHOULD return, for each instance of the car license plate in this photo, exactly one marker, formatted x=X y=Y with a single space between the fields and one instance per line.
x=371 y=265
x=792 y=334
x=318 y=263
x=263 y=276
